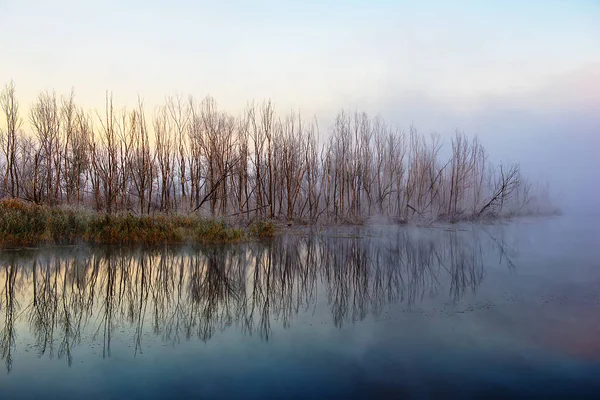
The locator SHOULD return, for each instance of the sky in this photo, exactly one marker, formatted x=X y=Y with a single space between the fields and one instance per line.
x=523 y=76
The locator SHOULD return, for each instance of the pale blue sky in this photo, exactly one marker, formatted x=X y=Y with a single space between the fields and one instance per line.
x=310 y=54
x=524 y=72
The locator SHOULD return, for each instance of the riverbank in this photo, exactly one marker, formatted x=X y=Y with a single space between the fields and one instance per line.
x=25 y=224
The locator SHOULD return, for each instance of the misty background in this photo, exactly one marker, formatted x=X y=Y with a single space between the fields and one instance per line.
x=525 y=78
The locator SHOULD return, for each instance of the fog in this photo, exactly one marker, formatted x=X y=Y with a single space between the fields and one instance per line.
x=553 y=132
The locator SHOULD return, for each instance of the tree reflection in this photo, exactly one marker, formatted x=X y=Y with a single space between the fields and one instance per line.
x=10 y=306
x=90 y=295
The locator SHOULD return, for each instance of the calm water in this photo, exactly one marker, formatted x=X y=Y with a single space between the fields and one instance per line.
x=507 y=310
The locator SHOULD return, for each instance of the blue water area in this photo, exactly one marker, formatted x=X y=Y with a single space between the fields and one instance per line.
x=506 y=310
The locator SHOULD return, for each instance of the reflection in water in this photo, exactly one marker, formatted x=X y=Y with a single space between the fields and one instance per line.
x=61 y=298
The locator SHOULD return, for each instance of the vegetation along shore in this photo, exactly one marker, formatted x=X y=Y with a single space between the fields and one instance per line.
x=188 y=170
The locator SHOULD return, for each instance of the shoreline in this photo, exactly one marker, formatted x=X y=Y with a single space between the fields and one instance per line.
x=24 y=224
x=28 y=225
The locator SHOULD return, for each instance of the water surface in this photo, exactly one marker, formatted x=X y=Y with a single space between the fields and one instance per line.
x=504 y=310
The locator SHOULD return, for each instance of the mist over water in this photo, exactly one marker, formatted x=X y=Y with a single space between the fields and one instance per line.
x=460 y=309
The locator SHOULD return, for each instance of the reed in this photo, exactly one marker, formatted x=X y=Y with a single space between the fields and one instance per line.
x=24 y=224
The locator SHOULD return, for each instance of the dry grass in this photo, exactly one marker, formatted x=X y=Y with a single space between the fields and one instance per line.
x=25 y=224
x=262 y=229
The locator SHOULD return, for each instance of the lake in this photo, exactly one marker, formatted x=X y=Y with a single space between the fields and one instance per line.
x=449 y=311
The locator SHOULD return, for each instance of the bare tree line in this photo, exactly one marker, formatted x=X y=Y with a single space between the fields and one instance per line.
x=87 y=296
x=190 y=156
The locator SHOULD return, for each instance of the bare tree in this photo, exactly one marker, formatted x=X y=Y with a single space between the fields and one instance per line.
x=45 y=119
x=164 y=157
x=179 y=115
x=142 y=162
x=197 y=157
x=10 y=108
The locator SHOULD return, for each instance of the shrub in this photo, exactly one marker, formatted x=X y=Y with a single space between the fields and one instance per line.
x=27 y=224
x=262 y=229
x=210 y=231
